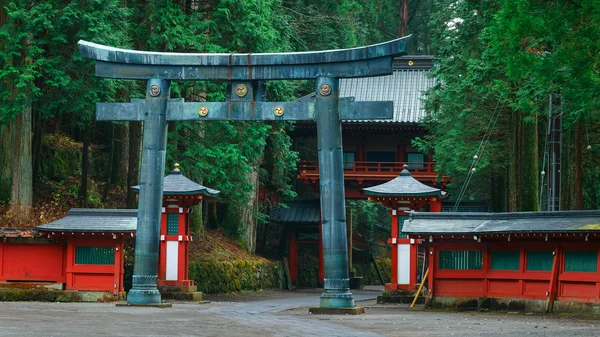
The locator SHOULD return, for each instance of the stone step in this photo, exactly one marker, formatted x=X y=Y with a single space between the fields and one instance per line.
x=195 y=296
x=177 y=289
x=403 y=297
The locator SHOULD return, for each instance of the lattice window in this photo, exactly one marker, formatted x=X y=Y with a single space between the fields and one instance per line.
x=505 y=260
x=460 y=260
x=94 y=255
x=581 y=261
x=415 y=160
x=172 y=223
x=539 y=260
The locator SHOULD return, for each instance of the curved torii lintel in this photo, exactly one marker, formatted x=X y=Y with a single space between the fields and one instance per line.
x=370 y=60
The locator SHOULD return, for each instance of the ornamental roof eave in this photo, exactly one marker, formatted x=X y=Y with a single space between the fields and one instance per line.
x=177 y=184
x=85 y=220
x=439 y=194
x=404 y=185
x=502 y=223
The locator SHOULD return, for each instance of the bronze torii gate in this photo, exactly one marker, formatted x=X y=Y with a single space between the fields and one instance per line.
x=246 y=74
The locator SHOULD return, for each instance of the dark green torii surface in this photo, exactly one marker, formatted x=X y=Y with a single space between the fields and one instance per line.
x=246 y=74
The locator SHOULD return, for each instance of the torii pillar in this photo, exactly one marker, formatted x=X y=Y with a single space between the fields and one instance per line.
x=403 y=194
x=246 y=75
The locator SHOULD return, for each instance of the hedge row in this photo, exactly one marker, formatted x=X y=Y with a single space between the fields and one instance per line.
x=237 y=275
x=233 y=276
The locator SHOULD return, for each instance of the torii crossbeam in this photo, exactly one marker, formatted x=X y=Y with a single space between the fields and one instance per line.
x=246 y=74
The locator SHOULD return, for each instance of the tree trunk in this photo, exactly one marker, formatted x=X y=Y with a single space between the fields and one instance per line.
x=499 y=191
x=37 y=145
x=133 y=172
x=120 y=154
x=248 y=219
x=22 y=165
x=6 y=162
x=513 y=165
x=578 y=168
x=529 y=184
x=566 y=172
x=5 y=145
x=85 y=164
x=22 y=182
x=110 y=163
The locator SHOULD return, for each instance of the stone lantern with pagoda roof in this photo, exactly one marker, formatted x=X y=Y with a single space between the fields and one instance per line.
x=403 y=194
x=179 y=195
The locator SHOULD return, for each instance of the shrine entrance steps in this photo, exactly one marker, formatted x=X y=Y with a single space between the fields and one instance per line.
x=180 y=293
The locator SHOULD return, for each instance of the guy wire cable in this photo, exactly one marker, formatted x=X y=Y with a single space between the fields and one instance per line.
x=479 y=152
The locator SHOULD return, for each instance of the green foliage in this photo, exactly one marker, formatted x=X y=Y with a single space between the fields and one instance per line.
x=508 y=56
x=61 y=157
x=236 y=275
x=370 y=221
x=369 y=274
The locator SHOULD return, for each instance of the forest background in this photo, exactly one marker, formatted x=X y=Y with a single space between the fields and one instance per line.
x=502 y=67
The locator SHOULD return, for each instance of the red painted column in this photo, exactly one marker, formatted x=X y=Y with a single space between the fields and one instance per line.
x=117 y=269
x=432 y=268
x=435 y=205
x=187 y=238
x=1 y=261
x=393 y=285
x=121 y=243
x=401 y=155
x=413 y=265
x=293 y=258
x=181 y=246
x=162 y=258
x=70 y=263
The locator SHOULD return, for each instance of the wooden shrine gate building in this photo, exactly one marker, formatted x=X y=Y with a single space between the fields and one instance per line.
x=82 y=251
x=548 y=261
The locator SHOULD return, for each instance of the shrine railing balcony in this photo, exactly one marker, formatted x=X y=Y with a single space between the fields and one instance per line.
x=364 y=170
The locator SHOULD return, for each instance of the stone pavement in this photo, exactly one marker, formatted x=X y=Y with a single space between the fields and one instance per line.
x=283 y=314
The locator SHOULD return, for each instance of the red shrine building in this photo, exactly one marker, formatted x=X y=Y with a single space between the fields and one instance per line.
x=374 y=153
x=81 y=252
x=545 y=261
x=84 y=251
x=402 y=195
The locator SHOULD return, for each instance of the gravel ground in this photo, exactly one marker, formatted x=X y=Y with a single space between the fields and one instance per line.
x=273 y=314
x=400 y=320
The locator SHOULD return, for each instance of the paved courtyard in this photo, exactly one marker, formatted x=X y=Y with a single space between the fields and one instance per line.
x=281 y=314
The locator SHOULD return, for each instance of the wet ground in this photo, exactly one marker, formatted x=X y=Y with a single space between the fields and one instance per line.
x=274 y=314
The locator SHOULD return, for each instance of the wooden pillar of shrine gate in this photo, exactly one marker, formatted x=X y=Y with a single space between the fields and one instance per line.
x=402 y=195
x=246 y=75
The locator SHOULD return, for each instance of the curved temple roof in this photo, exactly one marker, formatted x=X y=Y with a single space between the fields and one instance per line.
x=489 y=223
x=117 y=55
x=177 y=184
x=403 y=186
x=94 y=220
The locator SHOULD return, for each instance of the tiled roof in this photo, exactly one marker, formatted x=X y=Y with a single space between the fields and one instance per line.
x=177 y=184
x=489 y=223
x=301 y=212
x=405 y=87
x=95 y=220
x=404 y=185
